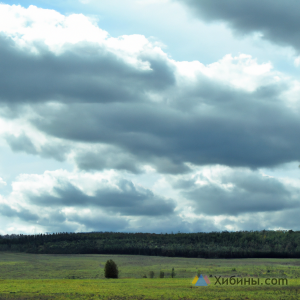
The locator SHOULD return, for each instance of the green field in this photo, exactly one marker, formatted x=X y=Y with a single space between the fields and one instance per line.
x=42 y=276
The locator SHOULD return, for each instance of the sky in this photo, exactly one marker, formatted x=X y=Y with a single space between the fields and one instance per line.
x=149 y=116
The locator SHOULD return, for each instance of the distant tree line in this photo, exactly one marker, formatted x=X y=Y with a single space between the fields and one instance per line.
x=241 y=244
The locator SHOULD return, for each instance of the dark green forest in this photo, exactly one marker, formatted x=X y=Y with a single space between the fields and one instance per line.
x=242 y=244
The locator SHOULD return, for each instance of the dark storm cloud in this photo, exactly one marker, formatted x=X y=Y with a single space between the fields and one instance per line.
x=249 y=193
x=83 y=73
x=23 y=214
x=278 y=21
x=218 y=125
x=126 y=200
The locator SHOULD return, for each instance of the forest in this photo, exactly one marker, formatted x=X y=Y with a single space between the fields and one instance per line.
x=241 y=244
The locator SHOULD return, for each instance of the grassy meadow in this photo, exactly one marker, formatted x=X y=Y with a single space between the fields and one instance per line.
x=45 y=276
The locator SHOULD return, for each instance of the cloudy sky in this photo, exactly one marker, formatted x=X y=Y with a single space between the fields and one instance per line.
x=149 y=115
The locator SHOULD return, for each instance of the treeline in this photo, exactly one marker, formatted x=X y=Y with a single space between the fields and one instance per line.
x=242 y=244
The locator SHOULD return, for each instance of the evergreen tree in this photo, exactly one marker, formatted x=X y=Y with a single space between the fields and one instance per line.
x=173 y=273
x=111 y=269
x=151 y=274
x=161 y=274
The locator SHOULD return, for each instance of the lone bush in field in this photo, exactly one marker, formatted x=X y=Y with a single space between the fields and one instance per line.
x=111 y=269
x=173 y=274
x=151 y=274
x=161 y=274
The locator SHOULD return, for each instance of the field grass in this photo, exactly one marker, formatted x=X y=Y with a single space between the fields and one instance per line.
x=31 y=276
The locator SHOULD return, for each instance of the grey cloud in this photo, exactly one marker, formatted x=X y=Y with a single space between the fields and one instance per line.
x=22 y=143
x=203 y=123
x=85 y=72
x=248 y=193
x=23 y=214
x=169 y=224
x=108 y=158
x=184 y=184
x=229 y=127
x=278 y=21
x=60 y=222
x=286 y=219
x=56 y=220
x=96 y=223
x=169 y=165
x=126 y=200
x=57 y=151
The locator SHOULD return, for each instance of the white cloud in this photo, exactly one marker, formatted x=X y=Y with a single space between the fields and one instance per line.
x=2 y=182
x=44 y=183
x=291 y=96
x=242 y=72
x=151 y=2
x=54 y=29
